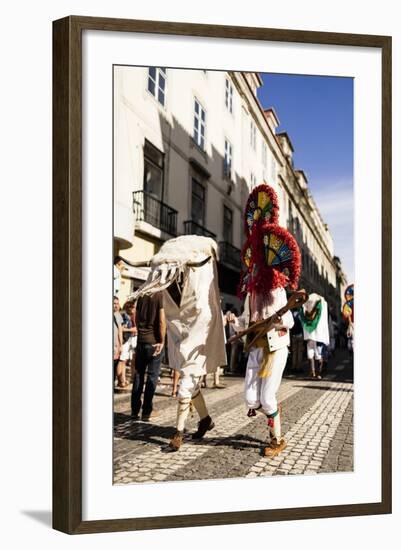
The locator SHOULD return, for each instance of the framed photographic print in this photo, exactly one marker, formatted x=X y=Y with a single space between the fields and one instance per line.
x=219 y=193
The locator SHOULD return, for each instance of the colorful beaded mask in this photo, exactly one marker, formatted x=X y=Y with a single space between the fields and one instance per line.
x=270 y=256
x=348 y=307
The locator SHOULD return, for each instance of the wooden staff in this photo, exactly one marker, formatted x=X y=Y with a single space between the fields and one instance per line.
x=260 y=328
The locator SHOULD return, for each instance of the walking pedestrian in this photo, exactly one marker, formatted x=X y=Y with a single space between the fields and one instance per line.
x=232 y=349
x=314 y=317
x=151 y=327
x=117 y=270
x=348 y=315
x=332 y=330
x=216 y=375
x=129 y=335
x=117 y=335
x=186 y=267
x=297 y=344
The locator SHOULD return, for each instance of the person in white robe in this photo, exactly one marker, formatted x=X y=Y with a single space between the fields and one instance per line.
x=315 y=322
x=271 y=259
x=266 y=362
x=185 y=268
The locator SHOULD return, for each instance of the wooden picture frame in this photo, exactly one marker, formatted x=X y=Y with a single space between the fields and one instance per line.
x=67 y=273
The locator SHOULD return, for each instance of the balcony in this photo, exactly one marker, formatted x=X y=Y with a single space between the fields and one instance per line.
x=150 y=210
x=230 y=255
x=193 y=228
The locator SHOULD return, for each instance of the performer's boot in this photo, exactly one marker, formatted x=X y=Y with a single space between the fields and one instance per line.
x=176 y=441
x=205 y=423
x=184 y=405
x=277 y=443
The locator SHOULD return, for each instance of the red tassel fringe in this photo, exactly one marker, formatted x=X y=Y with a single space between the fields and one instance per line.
x=267 y=278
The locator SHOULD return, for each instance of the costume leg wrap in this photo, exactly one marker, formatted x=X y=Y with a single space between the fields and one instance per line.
x=274 y=425
x=188 y=390
x=199 y=404
x=276 y=443
x=184 y=405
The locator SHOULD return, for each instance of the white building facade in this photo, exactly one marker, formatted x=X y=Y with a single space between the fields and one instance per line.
x=189 y=145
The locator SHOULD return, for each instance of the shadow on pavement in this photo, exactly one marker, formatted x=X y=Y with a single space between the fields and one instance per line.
x=318 y=386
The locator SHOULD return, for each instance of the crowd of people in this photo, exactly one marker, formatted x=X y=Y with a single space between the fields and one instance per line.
x=140 y=343
x=340 y=335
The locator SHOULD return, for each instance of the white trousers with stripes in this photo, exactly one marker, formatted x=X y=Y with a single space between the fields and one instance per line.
x=263 y=391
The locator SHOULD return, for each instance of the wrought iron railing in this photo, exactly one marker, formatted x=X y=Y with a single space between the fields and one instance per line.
x=229 y=254
x=149 y=209
x=193 y=228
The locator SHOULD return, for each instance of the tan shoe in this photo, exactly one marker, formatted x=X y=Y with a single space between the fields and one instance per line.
x=151 y=416
x=274 y=448
x=176 y=441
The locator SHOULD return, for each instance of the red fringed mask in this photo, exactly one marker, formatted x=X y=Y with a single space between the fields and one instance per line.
x=271 y=255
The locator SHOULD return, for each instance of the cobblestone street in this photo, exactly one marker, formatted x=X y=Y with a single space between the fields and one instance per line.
x=317 y=425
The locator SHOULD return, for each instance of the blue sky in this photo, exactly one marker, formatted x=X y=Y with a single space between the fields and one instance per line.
x=317 y=114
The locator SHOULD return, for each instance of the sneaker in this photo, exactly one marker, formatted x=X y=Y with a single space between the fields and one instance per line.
x=204 y=425
x=135 y=417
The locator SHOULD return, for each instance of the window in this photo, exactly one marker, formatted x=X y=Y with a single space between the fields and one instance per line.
x=153 y=176
x=273 y=170
x=264 y=154
x=198 y=202
x=253 y=135
x=229 y=95
x=228 y=159
x=157 y=83
x=199 y=125
x=227 y=224
x=253 y=180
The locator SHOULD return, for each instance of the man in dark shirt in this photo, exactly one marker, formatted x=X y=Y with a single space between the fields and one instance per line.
x=151 y=325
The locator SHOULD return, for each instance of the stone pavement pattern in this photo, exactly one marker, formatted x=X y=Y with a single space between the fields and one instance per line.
x=317 y=425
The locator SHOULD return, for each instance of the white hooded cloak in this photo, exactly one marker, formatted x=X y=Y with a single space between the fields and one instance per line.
x=195 y=329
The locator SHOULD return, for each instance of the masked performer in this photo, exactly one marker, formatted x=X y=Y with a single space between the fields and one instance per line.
x=272 y=263
x=348 y=315
x=185 y=268
x=315 y=321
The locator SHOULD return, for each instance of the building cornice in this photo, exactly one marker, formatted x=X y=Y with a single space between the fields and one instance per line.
x=315 y=233
x=287 y=137
x=257 y=111
x=254 y=106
